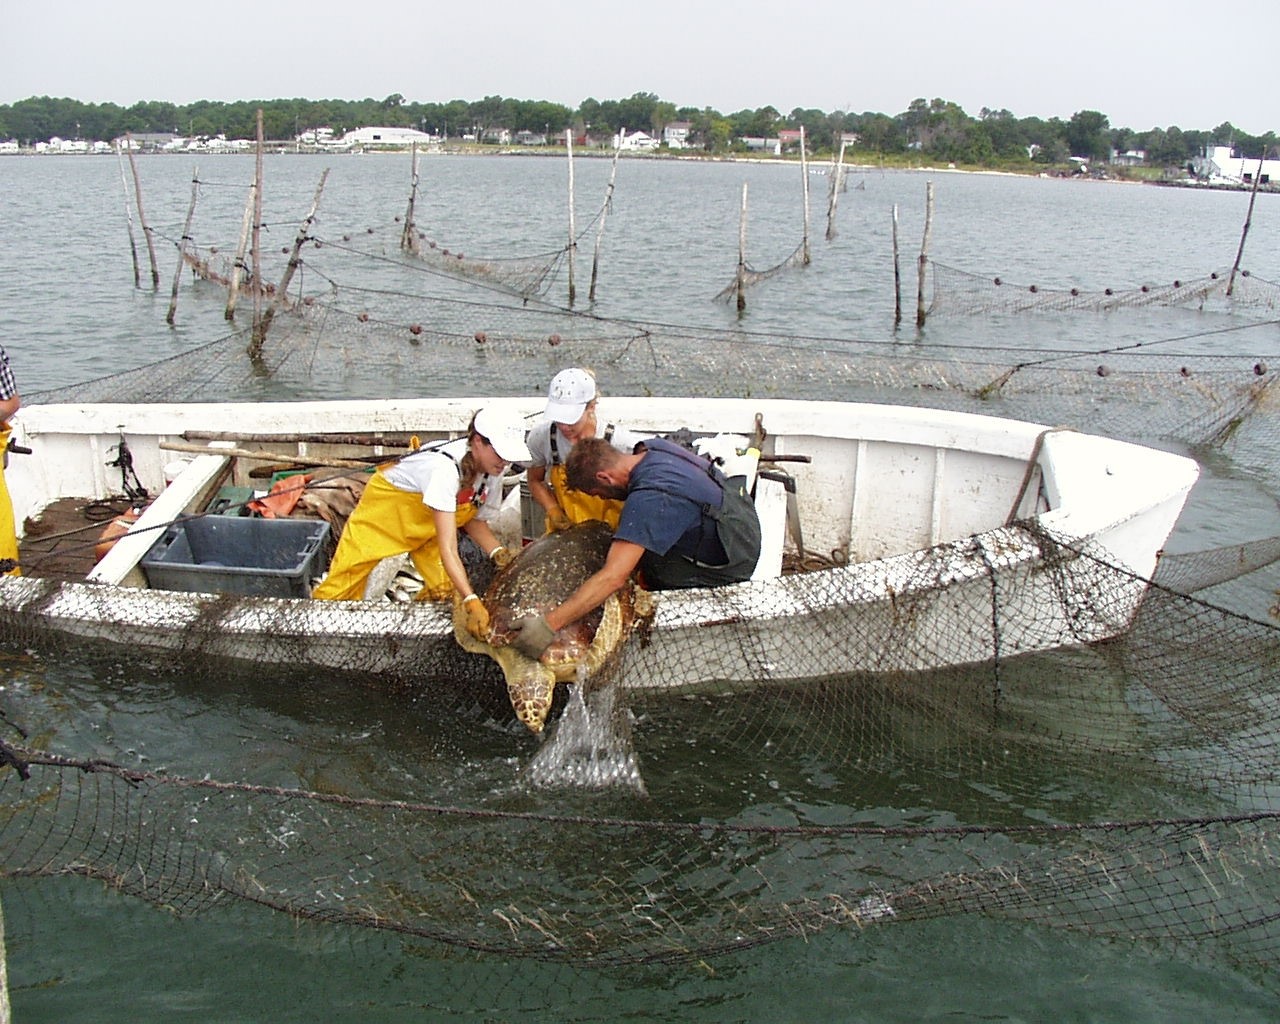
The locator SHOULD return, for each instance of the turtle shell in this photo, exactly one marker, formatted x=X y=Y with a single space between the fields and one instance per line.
x=541 y=577
x=544 y=574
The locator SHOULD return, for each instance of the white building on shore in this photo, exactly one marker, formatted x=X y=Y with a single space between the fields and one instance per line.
x=634 y=141
x=1220 y=164
x=385 y=138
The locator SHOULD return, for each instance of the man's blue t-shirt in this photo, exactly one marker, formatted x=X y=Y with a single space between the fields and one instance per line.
x=665 y=498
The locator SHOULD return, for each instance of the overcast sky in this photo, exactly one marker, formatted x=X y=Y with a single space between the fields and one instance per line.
x=1144 y=64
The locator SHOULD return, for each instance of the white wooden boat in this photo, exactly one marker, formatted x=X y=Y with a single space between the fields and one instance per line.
x=948 y=520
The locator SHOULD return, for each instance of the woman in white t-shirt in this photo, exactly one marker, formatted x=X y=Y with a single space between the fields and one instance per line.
x=571 y=416
x=417 y=505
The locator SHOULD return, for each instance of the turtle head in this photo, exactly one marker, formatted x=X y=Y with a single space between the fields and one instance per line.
x=531 y=686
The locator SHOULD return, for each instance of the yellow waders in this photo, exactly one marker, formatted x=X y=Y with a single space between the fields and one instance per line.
x=388 y=522
x=580 y=506
x=8 y=532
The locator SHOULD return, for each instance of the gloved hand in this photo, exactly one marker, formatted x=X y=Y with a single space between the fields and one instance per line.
x=535 y=636
x=477 y=617
x=502 y=557
x=557 y=520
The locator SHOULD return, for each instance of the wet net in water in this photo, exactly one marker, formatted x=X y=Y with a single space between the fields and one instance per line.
x=1122 y=787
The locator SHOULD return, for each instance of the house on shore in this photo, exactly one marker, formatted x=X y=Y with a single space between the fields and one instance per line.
x=759 y=144
x=625 y=140
x=676 y=134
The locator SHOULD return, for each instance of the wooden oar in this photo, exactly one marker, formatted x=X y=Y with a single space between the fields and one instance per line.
x=264 y=456
x=352 y=439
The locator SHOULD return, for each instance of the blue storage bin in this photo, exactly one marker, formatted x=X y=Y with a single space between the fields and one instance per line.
x=239 y=555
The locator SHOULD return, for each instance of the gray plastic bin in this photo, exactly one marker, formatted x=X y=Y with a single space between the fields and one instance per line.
x=237 y=555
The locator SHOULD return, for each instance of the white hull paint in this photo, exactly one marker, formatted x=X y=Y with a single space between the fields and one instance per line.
x=917 y=497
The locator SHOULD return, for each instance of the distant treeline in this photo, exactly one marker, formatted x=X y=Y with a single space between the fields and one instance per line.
x=937 y=128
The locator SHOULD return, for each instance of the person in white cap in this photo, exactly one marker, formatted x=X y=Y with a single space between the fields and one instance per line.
x=417 y=505
x=569 y=418
x=684 y=524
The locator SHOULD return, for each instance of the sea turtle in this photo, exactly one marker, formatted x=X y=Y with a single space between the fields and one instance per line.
x=539 y=578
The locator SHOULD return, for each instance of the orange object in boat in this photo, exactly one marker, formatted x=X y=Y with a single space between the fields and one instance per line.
x=115 y=529
x=283 y=496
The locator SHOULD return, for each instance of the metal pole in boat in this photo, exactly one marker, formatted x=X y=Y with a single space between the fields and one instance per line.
x=4 y=976
x=182 y=247
x=924 y=252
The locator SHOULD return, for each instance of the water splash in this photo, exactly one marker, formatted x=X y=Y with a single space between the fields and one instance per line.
x=590 y=746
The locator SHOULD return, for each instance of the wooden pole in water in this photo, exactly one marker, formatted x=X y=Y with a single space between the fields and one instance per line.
x=924 y=253
x=282 y=289
x=142 y=217
x=804 y=170
x=255 y=251
x=837 y=170
x=128 y=214
x=1231 y=281
x=604 y=214
x=742 y=252
x=409 y=236
x=237 y=268
x=573 y=244
x=182 y=247
x=897 y=273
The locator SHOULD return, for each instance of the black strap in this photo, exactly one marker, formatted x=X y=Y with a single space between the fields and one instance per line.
x=555 y=448
x=712 y=470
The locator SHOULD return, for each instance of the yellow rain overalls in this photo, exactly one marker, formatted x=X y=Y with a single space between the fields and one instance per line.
x=389 y=522
x=8 y=532
x=579 y=506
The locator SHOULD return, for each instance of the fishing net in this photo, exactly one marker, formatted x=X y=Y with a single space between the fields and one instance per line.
x=524 y=276
x=1003 y=775
x=325 y=338
x=748 y=275
x=1121 y=783
x=962 y=293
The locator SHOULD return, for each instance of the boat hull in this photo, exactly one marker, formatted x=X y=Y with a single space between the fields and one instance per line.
x=969 y=539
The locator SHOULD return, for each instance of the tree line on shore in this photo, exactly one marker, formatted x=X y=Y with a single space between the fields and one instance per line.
x=937 y=129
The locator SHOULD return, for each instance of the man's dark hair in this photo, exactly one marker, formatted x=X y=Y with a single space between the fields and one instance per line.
x=588 y=457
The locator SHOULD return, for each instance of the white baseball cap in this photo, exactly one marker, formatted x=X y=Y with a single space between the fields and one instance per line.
x=505 y=431
x=570 y=393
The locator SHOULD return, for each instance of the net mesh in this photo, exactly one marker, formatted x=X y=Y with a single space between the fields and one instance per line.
x=750 y=276
x=1183 y=851
x=962 y=293
x=1122 y=787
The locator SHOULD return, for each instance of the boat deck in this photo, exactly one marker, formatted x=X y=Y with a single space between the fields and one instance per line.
x=60 y=544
